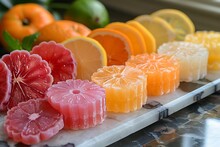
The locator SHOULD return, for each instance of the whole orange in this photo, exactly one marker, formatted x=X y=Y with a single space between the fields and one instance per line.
x=24 y=19
x=62 y=30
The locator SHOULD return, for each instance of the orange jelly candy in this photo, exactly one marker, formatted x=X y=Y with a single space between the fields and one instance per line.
x=161 y=70
x=125 y=87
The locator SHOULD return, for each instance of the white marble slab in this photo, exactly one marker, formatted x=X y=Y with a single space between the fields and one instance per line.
x=118 y=126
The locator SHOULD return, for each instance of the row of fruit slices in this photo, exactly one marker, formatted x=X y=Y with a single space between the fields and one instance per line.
x=48 y=63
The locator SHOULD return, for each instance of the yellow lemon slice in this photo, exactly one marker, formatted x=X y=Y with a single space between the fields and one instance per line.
x=159 y=28
x=181 y=23
x=89 y=55
x=148 y=37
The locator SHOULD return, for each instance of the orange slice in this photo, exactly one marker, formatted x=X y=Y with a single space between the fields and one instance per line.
x=160 y=29
x=125 y=87
x=137 y=40
x=89 y=55
x=181 y=23
x=148 y=37
x=116 y=45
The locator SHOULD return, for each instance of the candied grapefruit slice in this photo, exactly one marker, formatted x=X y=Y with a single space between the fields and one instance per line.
x=89 y=54
x=181 y=23
x=33 y=121
x=125 y=87
x=81 y=102
x=162 y=72
x=31 y=76
x=137 y=40
x=148 y=37
x=59 y=58
x=116 y=44
x=5 y=85
x=159 y=28
x=193 y=59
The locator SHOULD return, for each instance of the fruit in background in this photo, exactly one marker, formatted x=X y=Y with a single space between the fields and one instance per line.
x=81 y=102
x=33 y=121
x=193 y=59
x=125 y=87
x=180 y=22
x=62 y=30
x=23 y=20
x=5 y=85
x=89 y=54
x=31 y=76
x=159 y=28
x=148 y=37
x=162 y=72
x=136 y=39
x=117 y=45
x=60 y=59
x=91 y=13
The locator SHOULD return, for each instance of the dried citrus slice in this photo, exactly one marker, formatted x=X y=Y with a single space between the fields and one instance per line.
x=181 y=23
x=31 y=76
x=159 y=28
x=193 y=59
x=81 y=102
x=125 y=87
x=161 y=70
x=116 y=44
x=89 y=54
x=210 y=40
x=33 y=121
x=148 y=37
x=5 y=85
x=59 y=58
x=137 y=40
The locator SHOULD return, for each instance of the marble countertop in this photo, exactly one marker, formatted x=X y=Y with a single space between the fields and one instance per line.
x=197 y=125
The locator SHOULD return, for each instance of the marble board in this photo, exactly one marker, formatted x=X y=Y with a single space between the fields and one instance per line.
x=118 y=126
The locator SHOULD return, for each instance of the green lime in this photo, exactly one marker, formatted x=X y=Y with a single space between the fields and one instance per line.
x=91 y=13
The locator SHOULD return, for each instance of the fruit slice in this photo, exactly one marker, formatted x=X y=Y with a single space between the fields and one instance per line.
x=210 y=40
x=5 y=85
x=59 y=58
x=31 y=76
x=33 y=121
x=148 y=37
x=159 y=28
x=125 y=87
x=81 y=102
x=193 y=59
x=137 y=40
x=89 y=54
x=180 y=22
x=116 y=45
x=162 y=72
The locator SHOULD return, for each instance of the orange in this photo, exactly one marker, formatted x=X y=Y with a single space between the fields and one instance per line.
x=125 y=87
x=89 y=55
x=24 y=19
x=62 y=30
x=137 y=40
x=116 y=44
x=148 y=37
x=161 y=70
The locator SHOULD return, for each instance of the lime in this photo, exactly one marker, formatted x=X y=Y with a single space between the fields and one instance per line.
x=91 y=13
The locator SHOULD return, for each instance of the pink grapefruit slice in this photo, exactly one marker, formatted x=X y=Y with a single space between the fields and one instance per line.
x=5 y=85
x=33 y=121
x=81 y=102
x=60 y=59
x=31 y=76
